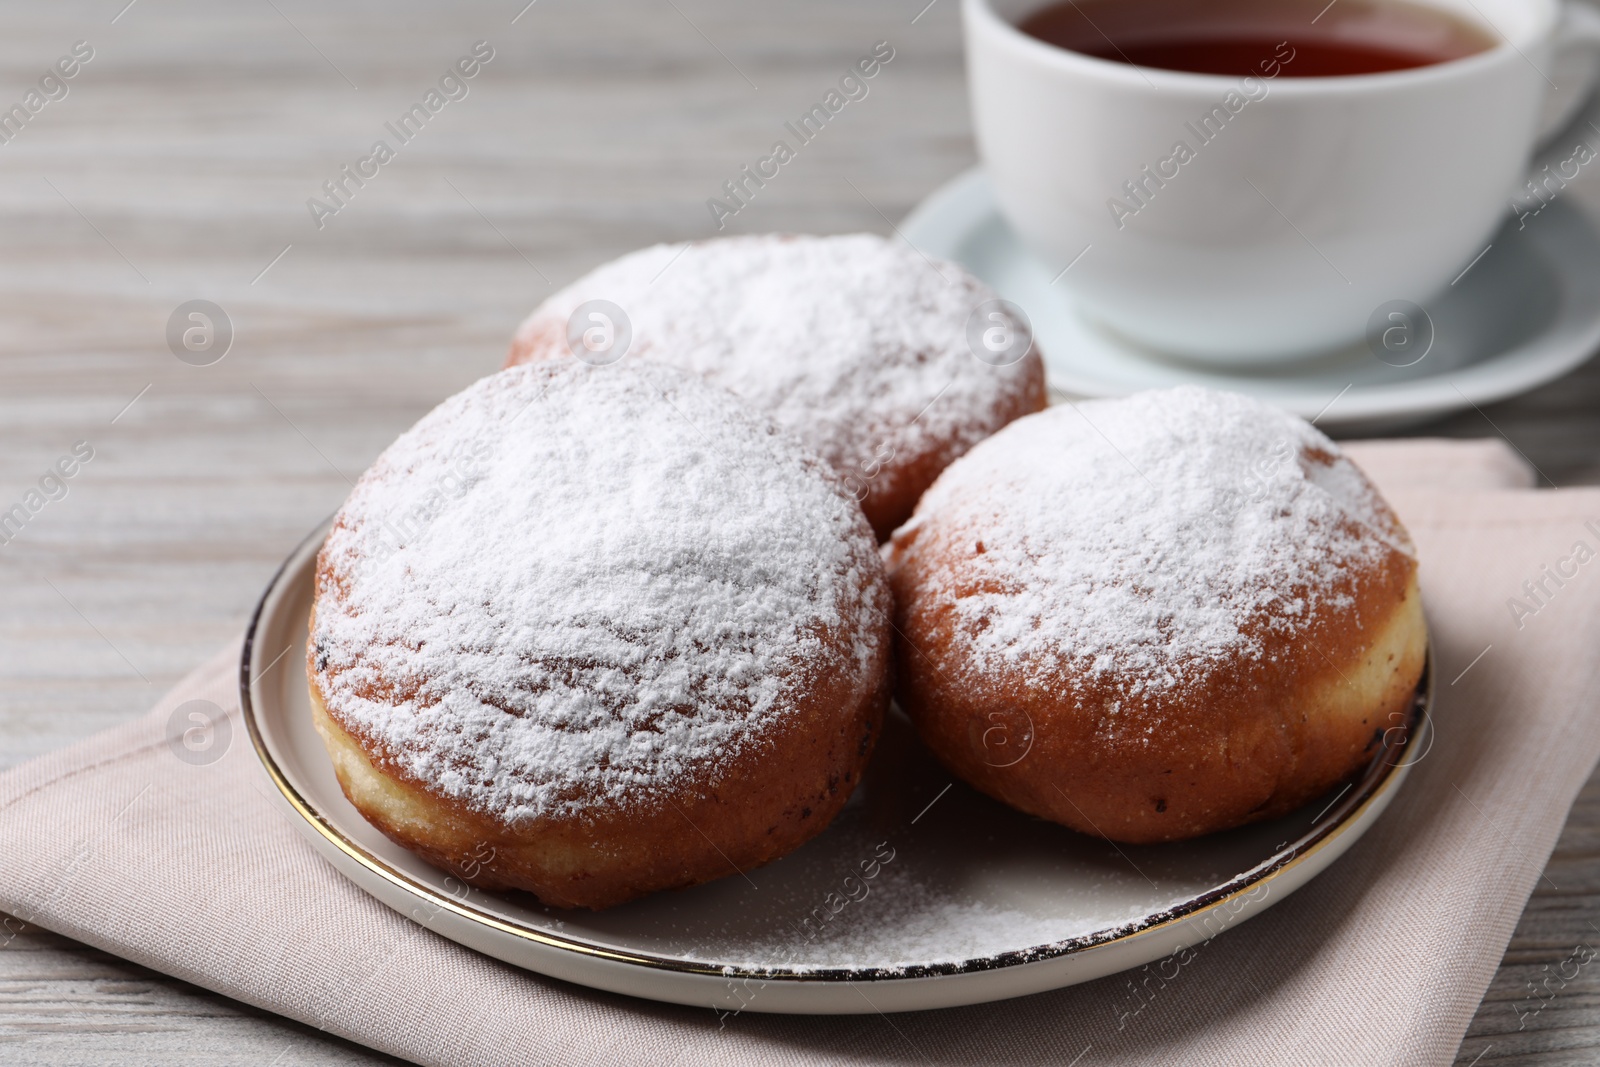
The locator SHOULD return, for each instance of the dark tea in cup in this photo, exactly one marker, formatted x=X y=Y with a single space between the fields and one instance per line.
x=1234 y=37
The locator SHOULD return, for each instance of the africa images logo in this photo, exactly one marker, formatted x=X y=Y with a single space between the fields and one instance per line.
x=53 y=486
x=52 y=86
x=852 y=87
x=343 y=186
x=1141 y=189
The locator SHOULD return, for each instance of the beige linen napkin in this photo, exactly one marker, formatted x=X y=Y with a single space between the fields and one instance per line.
x=1382 y=960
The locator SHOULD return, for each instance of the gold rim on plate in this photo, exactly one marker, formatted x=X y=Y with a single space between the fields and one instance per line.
x=1383 y=774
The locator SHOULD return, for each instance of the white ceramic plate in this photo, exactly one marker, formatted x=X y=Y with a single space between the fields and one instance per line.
x=1525 y=314
x=922 y=894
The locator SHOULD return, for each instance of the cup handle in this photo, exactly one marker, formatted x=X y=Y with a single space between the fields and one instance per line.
x=1579 y=32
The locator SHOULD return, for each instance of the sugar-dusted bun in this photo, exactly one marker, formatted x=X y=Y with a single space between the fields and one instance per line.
x=1157 y=617
x=594 y=632
x=859 y=345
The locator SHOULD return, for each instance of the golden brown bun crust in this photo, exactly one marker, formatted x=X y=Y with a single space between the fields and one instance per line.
x=889 y=499
x=756 y=808
x=1256 y=743
x=1251 y=740
x=640 y=641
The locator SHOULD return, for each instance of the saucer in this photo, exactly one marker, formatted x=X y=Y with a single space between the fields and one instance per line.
x=1524 y=314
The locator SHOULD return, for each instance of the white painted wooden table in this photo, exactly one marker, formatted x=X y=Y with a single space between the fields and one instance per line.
x=178 y=166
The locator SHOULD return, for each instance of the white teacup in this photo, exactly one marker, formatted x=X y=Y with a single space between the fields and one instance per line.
x=1315 y=202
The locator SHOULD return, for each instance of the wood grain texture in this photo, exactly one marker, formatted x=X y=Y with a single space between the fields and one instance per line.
x=178 y=168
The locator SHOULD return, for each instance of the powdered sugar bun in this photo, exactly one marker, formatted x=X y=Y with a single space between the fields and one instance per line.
x=593 y=632
x=857 y=344
x=1156 y=617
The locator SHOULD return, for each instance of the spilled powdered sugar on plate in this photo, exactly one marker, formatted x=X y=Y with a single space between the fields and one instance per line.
x=855 y=343
x=567 y=585
x=910 y=922
x=1150 y=538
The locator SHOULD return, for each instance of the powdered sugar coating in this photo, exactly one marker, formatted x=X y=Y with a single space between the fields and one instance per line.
x=572 y=586
x=1146 y=541
x=856 y=343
